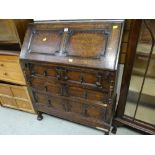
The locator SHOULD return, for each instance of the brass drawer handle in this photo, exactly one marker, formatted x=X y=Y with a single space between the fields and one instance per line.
x=5 y=74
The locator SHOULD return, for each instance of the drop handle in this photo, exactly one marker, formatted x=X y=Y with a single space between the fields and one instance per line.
x=81 y=79
x=45 y=73
x=49 y=103
x=66 y=77
x=46 y=88
x=58 y=76
x=98 y=84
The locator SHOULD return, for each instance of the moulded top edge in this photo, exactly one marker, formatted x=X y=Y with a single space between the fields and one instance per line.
x=80 y=20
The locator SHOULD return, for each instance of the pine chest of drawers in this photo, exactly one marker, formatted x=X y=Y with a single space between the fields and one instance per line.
x=71 y=69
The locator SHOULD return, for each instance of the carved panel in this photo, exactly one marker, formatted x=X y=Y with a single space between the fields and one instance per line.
x=47 y=42
x=86 y=43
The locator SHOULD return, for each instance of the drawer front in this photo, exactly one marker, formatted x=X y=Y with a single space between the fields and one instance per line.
x=94 y=112
x=84 y=93
x=8 y=102
x=15 y=97
x=96 y=78
x=69 y=90
x=15 y=77
x=7 y=30
x=42 y=84
x=24 y=105
x=48 y=101
x=9 y=66
x=99 y=79
x=5 y=90
x=16 y=103
x=11 y=69
x=20 y=92
x=86 y=110
x=14 y=91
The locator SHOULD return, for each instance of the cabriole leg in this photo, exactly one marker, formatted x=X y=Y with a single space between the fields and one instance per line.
x=106 y=133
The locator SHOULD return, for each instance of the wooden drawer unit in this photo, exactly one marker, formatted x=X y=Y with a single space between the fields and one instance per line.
x=15 y=97
x=89 y=110
x=70 y=89
x=12 y=33
x=11 y=70
x=71 y=69
x=81 y=76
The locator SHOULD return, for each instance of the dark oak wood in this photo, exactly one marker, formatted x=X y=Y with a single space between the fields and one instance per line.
x=71 y=69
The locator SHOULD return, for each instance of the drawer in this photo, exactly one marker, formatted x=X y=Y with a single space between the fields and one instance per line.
x=72 y=74
x=55 y=103
x=8 y=102
x=89 y=111
x=14 y=77
x=89 y=94
x=24 y=105
x=16 y=103
x=69 y=90
x=39 y=70
x=43 y=85
x=14 y=91
x=94 y=112
x=11 y=69
x=9 y=58
x=99 y=79
x=20 y=92
x=9 y=66
x=15 y=97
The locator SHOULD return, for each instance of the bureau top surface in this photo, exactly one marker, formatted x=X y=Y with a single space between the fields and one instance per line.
x=86 y=43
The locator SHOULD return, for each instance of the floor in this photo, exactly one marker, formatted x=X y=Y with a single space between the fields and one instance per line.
x=14 y=122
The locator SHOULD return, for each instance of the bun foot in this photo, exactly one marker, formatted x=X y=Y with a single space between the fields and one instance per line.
x=39 y=117
x=106 y=133
x=114 y=130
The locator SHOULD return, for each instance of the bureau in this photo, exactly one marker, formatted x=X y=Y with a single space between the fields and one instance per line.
x=71 y=69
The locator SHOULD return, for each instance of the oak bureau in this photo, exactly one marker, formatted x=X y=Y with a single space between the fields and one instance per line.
x=71 y=69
